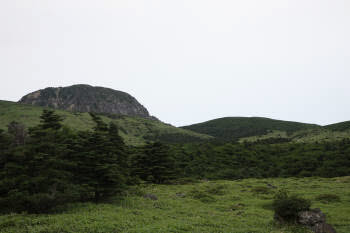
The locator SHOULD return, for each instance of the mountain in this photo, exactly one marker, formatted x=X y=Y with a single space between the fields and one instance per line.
x=86 y=98
x=135 y=130
x=229 y=128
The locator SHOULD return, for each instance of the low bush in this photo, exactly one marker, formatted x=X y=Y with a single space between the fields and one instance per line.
x=287 y=206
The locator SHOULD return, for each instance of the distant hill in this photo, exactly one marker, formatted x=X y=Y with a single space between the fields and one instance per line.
x=135 y=130
x=238 y=127
x=86 y=98
x=342 y=126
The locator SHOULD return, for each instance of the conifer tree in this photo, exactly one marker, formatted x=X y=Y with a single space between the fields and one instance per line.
x=102 y=154
x=39 y=170
x=153 y=163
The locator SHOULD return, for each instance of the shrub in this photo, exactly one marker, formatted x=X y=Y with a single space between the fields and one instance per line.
x=287 y=207
x=327 y=198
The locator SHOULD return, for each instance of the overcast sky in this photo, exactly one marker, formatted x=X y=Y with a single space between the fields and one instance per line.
x=187 y=61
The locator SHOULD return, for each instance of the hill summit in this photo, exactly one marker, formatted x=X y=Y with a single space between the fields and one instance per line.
x=86 y=98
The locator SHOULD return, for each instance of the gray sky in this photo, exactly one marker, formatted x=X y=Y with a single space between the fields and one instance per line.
x=187 y=61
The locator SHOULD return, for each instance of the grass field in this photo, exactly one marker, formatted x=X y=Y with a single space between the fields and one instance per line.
x=215 y=206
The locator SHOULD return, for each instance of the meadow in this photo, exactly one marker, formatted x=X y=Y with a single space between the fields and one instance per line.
x=241 y=206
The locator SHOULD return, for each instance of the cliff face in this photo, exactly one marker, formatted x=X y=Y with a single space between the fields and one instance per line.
x=85 y=98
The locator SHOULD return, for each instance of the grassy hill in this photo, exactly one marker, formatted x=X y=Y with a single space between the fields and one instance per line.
x=220 y=206
x=240 y=127
x=342 y=126
x=255 y=128
x=134 y=130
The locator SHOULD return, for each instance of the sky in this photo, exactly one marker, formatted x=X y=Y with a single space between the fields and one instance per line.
x=186 y=61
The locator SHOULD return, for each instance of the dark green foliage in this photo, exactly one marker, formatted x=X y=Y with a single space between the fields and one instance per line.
x=36 y=176
x=342 y=126
x=101 y=161
x=327 y=198
x=18 y=132
x=237 y=161
x=56 y=166
x=50 y=120
x=53 y=164
x=287 y=206
x=153 y=163
x=229 y=128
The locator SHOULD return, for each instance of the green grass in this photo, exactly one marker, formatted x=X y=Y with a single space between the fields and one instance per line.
x=134 y=130
x=234 y=206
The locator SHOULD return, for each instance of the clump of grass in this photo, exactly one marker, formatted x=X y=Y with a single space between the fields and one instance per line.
x=327 y=198
x=201 y=195
x=261 y=190
x=217 y=189
x=236 y=198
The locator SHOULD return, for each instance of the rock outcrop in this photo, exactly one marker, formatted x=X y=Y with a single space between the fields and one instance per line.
x=316 y=220
x=85 y=98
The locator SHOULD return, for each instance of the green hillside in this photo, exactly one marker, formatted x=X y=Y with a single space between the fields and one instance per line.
x=341 y=126
x=229 y=128
x=134 y=130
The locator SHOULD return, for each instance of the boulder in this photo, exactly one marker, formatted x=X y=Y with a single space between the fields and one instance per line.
x=323 y=228
x=316 y=220
x=311 y=217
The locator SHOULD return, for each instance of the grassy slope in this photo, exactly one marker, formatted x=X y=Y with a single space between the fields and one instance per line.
x=238 y=127
x=237 y=210
x=133 y=129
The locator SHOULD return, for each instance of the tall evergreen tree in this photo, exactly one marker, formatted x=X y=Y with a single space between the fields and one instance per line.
x=100 y=160
x=153 y=163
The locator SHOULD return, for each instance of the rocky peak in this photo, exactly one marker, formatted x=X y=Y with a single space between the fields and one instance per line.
x=86 y=98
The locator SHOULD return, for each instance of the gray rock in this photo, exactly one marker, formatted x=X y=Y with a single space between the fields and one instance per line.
x=150 y=196
x=316 y=220
x=323 y=228
x=85 y=98
x=182 y=195
x=311 y=217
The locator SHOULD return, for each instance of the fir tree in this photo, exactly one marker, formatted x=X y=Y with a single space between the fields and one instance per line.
x=39 y=171
x=153 y=163
x=100 y=159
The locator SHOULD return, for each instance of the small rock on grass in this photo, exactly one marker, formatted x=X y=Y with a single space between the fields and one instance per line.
x=150 y=196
